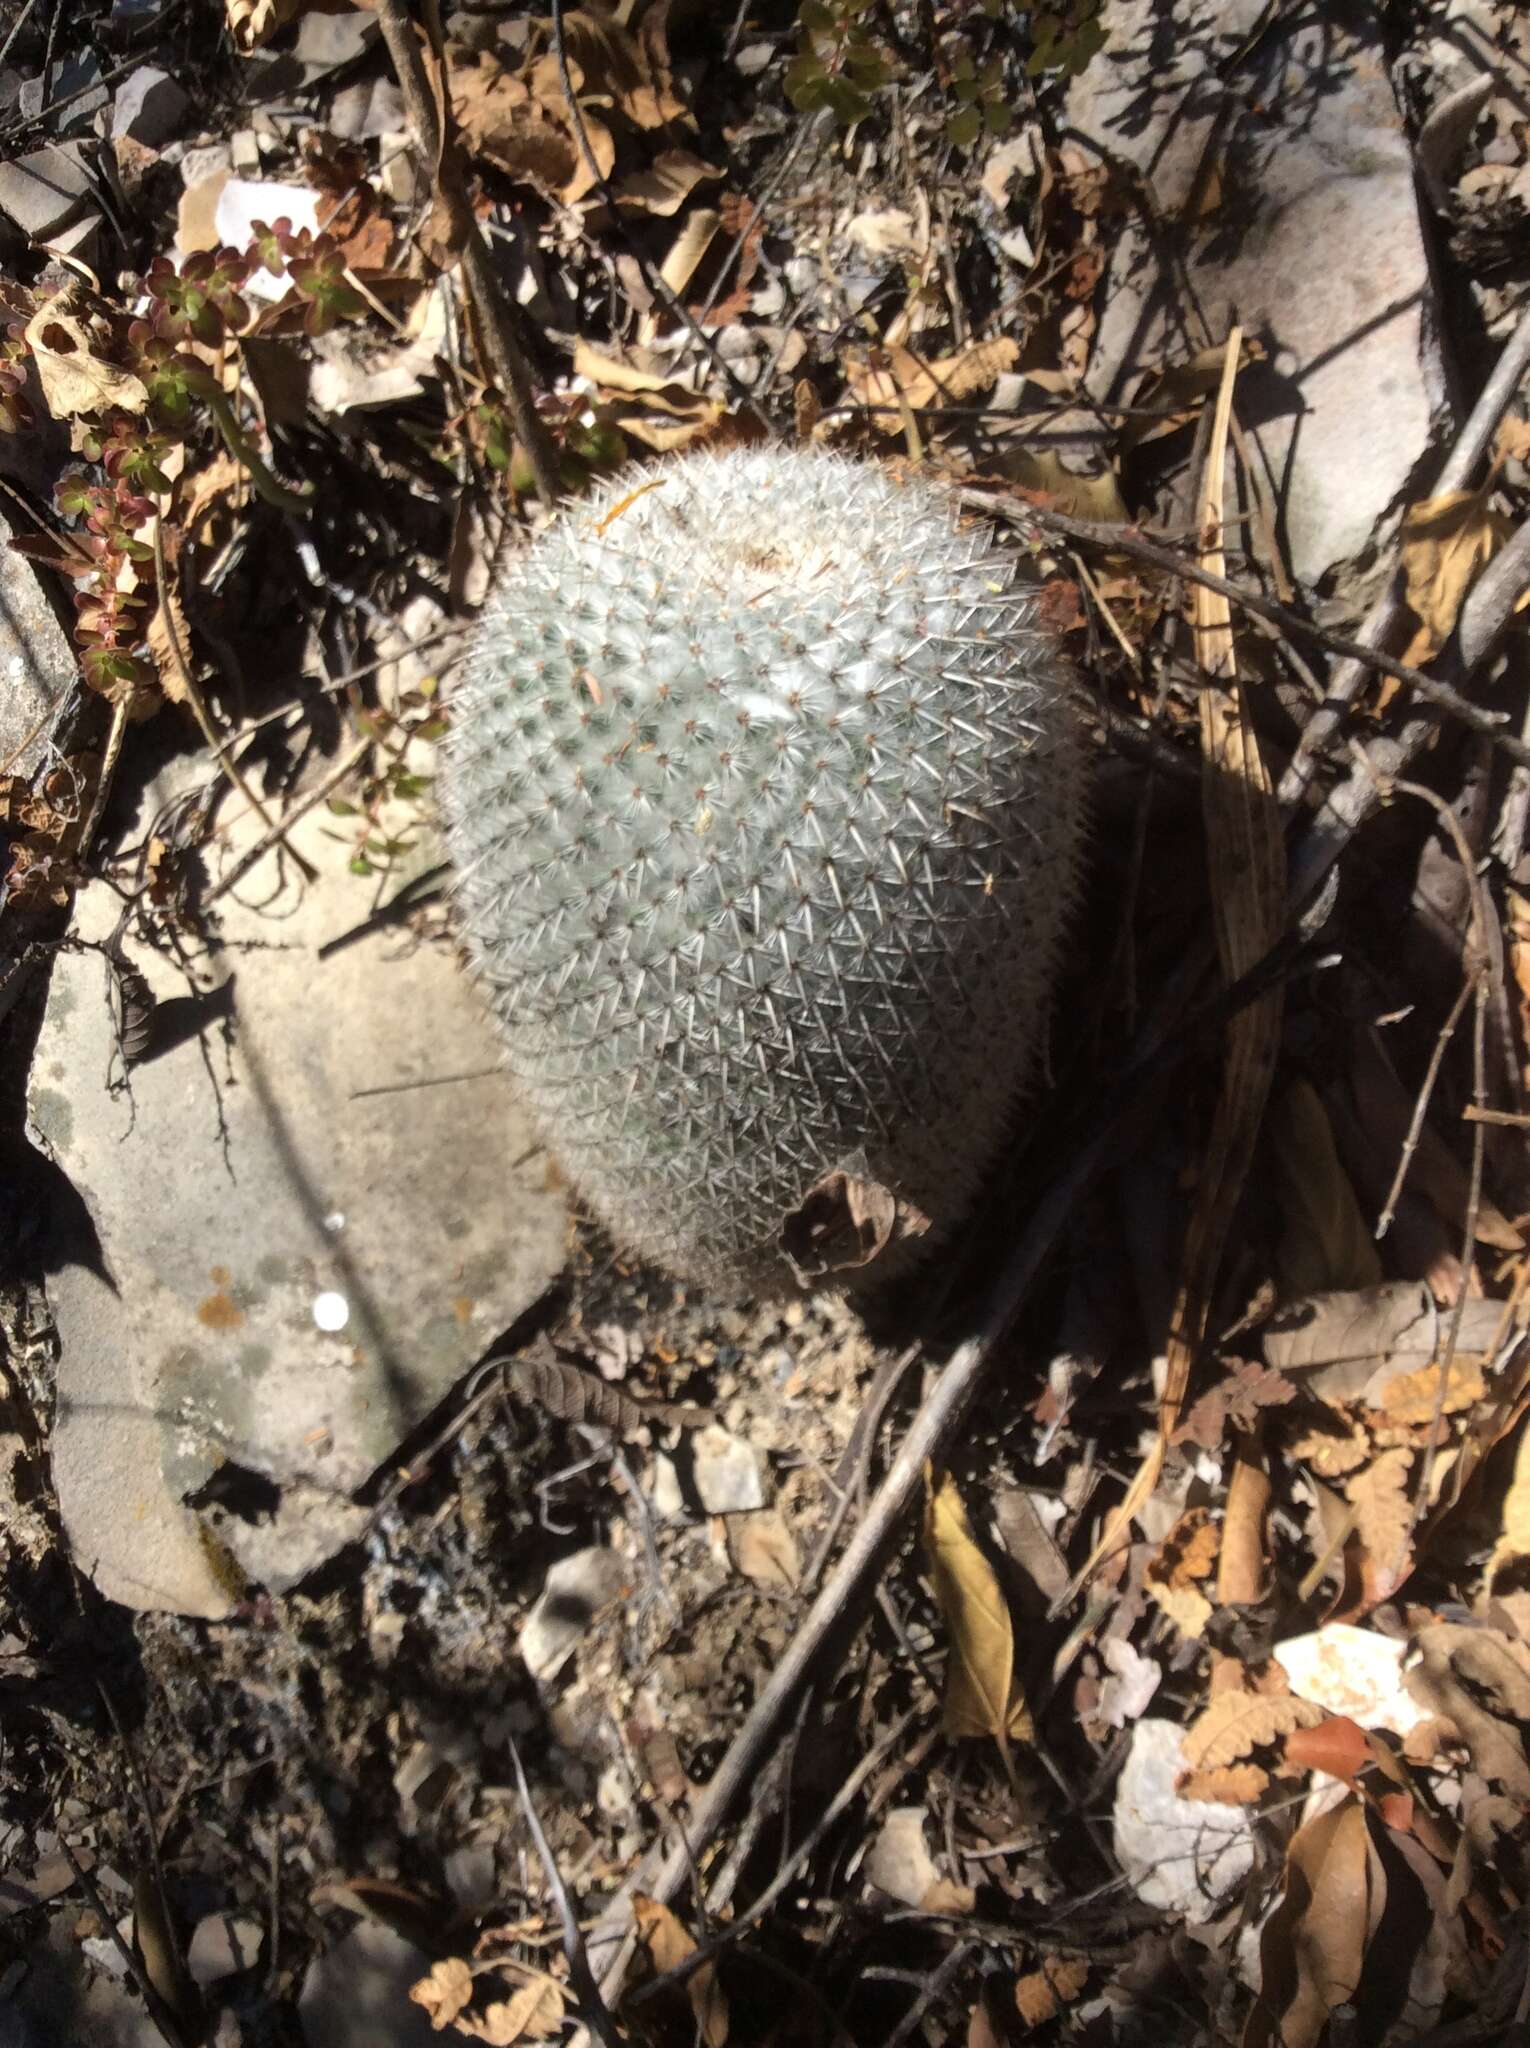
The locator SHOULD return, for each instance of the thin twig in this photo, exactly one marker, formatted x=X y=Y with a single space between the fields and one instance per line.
x=222 y=748
x=432 y=129
x=1493 y=600
x=278 y=829
x=1128 y=540
x=593 y=2009
x=1386 y=615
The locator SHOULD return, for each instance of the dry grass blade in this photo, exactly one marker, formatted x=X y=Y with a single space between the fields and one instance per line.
x=1246 y=852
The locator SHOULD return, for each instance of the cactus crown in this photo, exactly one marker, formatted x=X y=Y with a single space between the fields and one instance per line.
x=764 y=792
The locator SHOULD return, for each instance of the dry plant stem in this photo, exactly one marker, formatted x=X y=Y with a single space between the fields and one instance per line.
x=1386 y=614
x=507 y=359
x=1492 y=600
x=158 y=2010
x=220 y=746
x=593 y=2009
x=1127 y=540
x=342 y=772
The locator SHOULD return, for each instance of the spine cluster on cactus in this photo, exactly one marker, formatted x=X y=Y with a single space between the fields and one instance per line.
x=765 y=794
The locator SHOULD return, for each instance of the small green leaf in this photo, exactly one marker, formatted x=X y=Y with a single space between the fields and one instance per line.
x=964 y=126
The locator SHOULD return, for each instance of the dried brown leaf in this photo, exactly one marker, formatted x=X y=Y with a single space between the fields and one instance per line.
x=667 y=183
x=570 y=1394
x=1314 y=1945
x=534 y=2012
x=1234 y=1725
x=1236 y=1402
x=1514 y=1529
x=843 y=1223
x=1186 y=1559
x=981 y=1696
x=1415 y=1397
x=1331 y=1447
x=447 y=1991
x=1041 y=474
x=666 y=1943
x=1383 y=1517
x=1479 y=1679
x=889 y=375
x=1040 y=1995
x=764 y=1549
x=1227 y=1785
x=74 y=374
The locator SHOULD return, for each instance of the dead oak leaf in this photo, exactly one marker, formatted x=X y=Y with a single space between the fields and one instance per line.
x=1416 y=1397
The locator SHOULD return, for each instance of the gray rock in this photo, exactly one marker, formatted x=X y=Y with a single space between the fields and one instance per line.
x=46 y=190
x=222 y=1945
x=150 y=107
x=326 y=41
x=356 y=1994
x=75 y=94
x=1184 y=1855
x=372 y=107
x=727 y=1472
x=37 y=664
x=1312 y=238
x=576 y=1588
x=312 y=1220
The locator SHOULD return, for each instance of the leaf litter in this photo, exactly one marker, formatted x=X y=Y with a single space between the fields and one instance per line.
x=1252 y=1461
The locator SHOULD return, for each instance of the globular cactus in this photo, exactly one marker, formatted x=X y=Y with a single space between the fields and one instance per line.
x=765 y=791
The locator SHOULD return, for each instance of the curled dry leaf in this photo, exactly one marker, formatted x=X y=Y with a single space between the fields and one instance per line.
x=667 y=183
x=981 y=1694
x=543 y=1380
x=447 y=1991
x=666 y=1943
x=1040 y=1995
x=1235 y=1403
x=1480 y=1679
x=534 y=2012
x=252 y=23
x=1446 y=543
x=891 y=378
x=646 y=403
x=72 y=370
x=844 y=1223
x=1314 y=1945
x=1185 y=1562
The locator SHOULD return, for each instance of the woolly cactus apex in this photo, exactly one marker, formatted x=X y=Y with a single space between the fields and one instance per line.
x=764 y=792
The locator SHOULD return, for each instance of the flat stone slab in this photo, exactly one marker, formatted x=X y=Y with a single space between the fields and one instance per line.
x=36 y=661
x=314 y=1216
x=1283 y=195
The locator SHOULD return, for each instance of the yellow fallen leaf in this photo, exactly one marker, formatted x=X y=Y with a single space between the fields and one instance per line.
x=981 y=1695
x=666 y=1943
x=1446 y=542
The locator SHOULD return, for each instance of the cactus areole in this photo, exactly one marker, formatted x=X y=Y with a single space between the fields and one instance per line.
x=764 y=792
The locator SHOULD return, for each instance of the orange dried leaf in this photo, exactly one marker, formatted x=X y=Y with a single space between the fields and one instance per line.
x=1236 y=1724
x=666 y=1943
x=1186 y=1559
x=1227 y=1785
x=1042 y=1994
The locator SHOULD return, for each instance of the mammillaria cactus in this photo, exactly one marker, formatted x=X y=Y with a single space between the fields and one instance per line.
x=764 y=791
